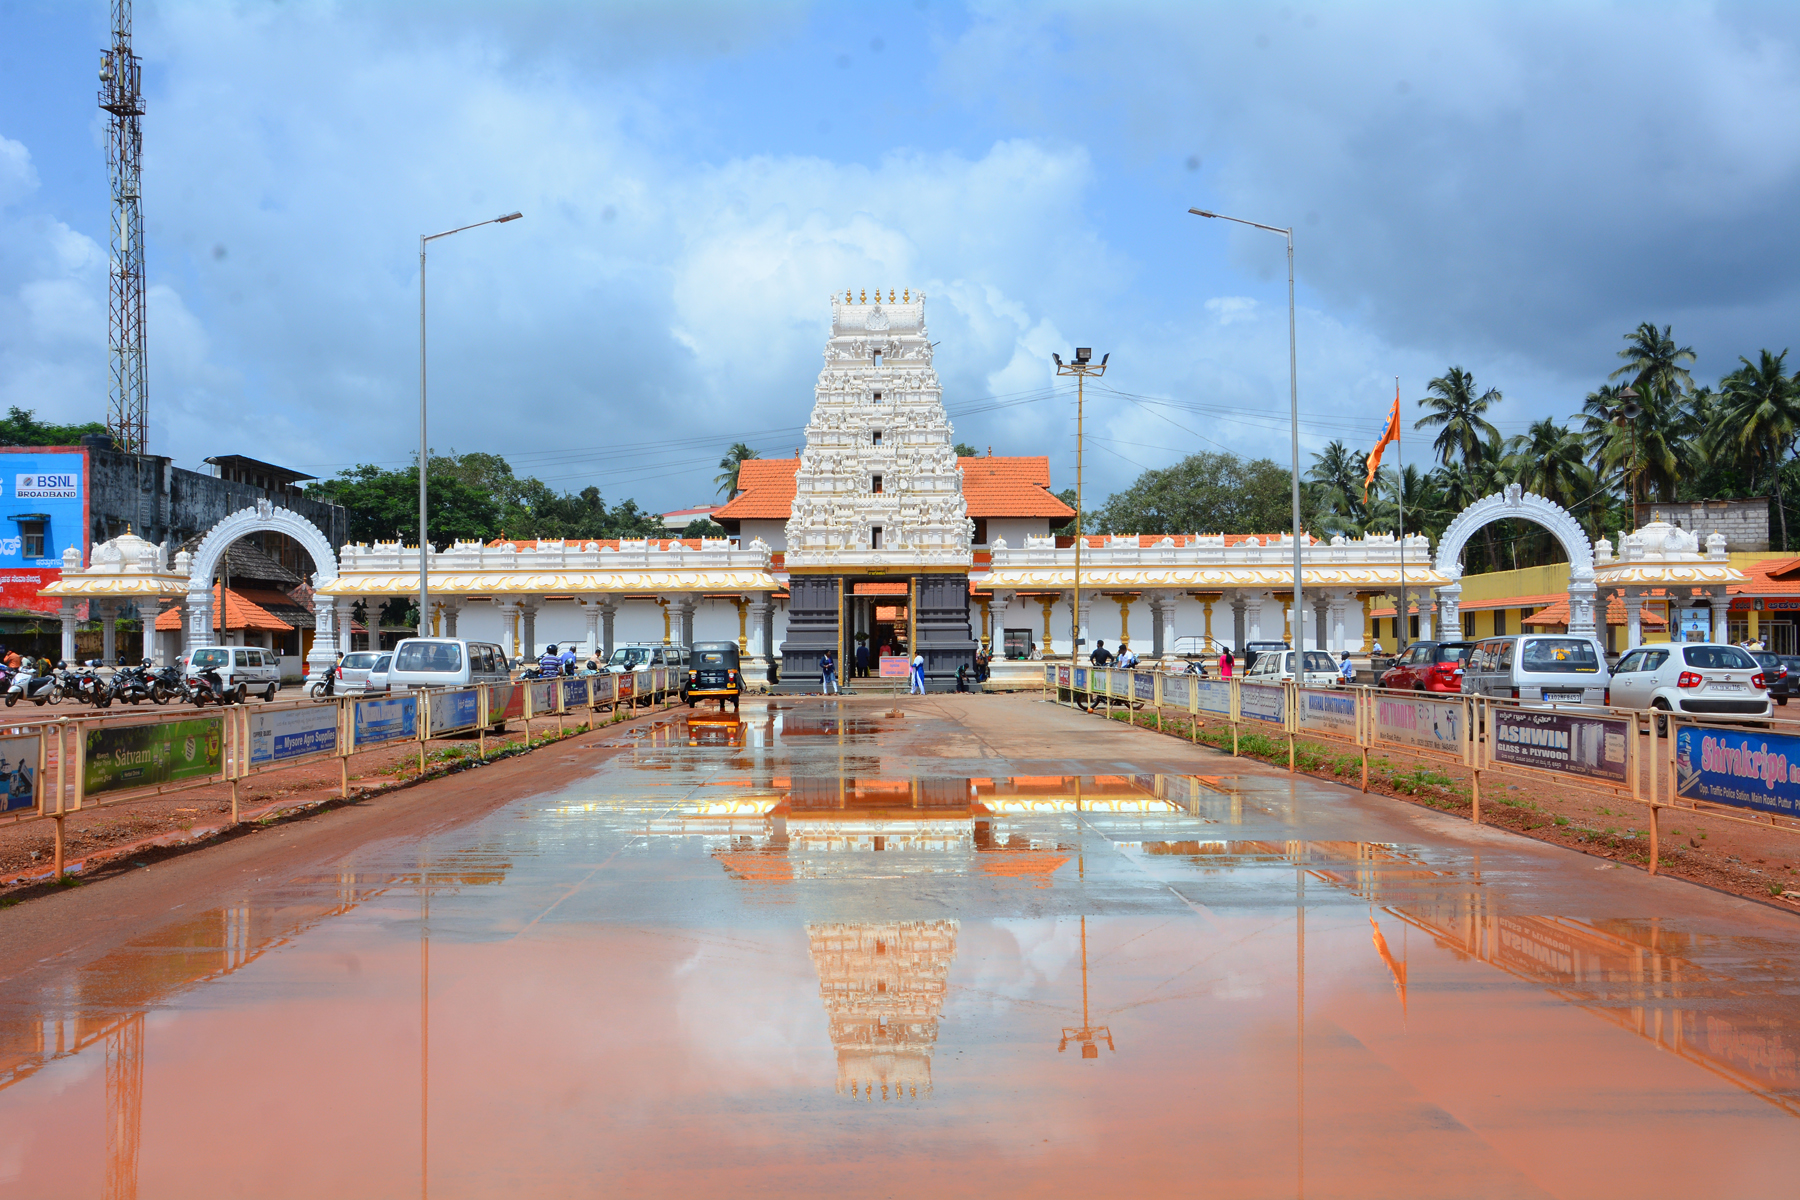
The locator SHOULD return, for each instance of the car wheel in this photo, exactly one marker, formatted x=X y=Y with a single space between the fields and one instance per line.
x=1781 y=700
x=1662 y=722
x=240 y=694
x=269 y=696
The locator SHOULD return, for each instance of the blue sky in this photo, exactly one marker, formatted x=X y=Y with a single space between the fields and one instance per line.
x=1506 y=187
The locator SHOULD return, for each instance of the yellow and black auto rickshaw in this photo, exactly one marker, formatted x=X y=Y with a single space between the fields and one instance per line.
x=713 y=671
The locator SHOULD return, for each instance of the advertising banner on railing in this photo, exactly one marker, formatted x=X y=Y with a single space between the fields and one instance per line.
x=1213 y=696
x=1081 y=679
x=659 y=679
x=119 y=757
x=1262 y=702
x=1175 y=690
x=1328 y=710
x=600 y=688
x=575 y=692
x=1760 y=771
x=541 y=697
x=1427 y=724
x=625 y=686
x=1561 y=741
x=19 y=772
x=285 y=734
x=1143 y=686
x=1062 y=677
x=392 y=719
x=454 y=711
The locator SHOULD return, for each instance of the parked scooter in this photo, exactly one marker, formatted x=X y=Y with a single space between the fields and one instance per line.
x=130 y=684
x=205 y=688
x=165 y=685
x=87 y=687
x=28 y=684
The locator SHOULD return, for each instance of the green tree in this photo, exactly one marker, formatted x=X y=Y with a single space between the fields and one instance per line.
x=1335 y=487
x=728 y=477
x=1760 y=405
x=1652 y=359
x=701 y=527
x=964 y=450
x=384 y=505
x=22 y=428
x=1203 y=493
x=1460 y=416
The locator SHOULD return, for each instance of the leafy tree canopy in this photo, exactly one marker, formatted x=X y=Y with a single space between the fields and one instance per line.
x=22 y=428
x=1203 y=493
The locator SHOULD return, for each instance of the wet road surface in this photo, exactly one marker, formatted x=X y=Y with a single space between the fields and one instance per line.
x=987 y=946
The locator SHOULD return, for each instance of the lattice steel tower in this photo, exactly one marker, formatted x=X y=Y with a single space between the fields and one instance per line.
x=127 y=415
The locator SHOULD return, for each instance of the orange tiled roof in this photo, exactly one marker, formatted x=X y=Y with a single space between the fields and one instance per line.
x=1557 y=613
x=992 y=487
x=238 y=613
x=1766 y=578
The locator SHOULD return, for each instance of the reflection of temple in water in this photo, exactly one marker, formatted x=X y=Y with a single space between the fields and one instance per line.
x=883 y=984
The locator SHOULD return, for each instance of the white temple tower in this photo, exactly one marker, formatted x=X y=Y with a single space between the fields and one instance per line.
x=878 y=483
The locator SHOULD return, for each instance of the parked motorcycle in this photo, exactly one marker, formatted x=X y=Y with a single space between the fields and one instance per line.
x=28 y=684
x=325 y=687
x=207 y=688
x=130 y=684
x=165 y=685
x=88 y=688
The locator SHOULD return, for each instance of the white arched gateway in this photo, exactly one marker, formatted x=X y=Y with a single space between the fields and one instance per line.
x=264 y=518
x=1515 y=503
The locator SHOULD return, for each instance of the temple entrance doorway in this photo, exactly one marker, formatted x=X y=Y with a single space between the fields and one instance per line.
x=877 y=615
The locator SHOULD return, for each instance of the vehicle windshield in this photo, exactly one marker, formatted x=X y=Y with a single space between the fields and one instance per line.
x=1718 y=658
x=381 y=664
x=360 y=661
x=211 y=658
x=1564 y=656
x=1318 y=660
x=1452 y=654
x=628 y=656
x=428 y=656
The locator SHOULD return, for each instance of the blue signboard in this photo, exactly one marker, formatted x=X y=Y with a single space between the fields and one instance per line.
x=1143 y=683
x=451 y=711
x=1081 y=679
x=1213 y=696
x=1745 y=770
x=575 y=692
x=277 y=735
x=1262 y=702
x=389 y=720
x=45 y=513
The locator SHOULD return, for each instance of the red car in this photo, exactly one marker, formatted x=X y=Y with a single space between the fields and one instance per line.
x=1428 y=667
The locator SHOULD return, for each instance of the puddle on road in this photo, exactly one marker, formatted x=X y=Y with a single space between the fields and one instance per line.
x=980 y=984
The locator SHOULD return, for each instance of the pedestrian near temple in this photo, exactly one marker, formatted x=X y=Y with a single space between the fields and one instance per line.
x=1225 y=662
x=918 y=675
x=567 y=662
x=827 y=674
x=550 y=664
x=862 y=660
x=1101 y=655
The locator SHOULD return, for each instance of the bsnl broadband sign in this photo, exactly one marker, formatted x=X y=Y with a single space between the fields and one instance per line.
x=48 y=487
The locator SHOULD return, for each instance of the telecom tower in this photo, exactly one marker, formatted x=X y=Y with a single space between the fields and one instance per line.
x=127 y=415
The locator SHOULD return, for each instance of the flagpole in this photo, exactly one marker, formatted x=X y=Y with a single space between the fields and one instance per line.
x=1402 y=617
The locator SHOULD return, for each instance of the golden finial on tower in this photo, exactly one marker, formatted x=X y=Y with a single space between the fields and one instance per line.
x=864 y=299
x=907 y=296
x=890 y=295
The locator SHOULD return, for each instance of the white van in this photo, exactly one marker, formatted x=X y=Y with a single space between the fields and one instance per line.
x=438 y=662
x=243 y=670
x=1537 y=668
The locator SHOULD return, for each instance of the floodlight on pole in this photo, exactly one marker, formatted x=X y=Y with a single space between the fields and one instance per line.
x=1294 y=427
x=1081 y=368
x=424 y=448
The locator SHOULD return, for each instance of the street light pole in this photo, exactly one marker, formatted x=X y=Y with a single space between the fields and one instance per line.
x=1081 y=368
x=424 y=447
x=1293 y=432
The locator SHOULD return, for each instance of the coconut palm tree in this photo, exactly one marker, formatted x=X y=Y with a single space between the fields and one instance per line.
x=1459 y=416
x=734 y=458
x=1760 y=405
x=1653 y=359
x=1336 y=483
x=1549 y=459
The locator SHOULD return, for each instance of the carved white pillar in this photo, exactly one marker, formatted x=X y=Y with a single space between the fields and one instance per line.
x=590 y=619
x=681 y=617
x=1427 y=607
x=528 y=628
x=509 y=613
x=109 y=630
x=346 y=623
x=199 y=620
x=68 y=631
x=1634 y=623
x=1163 y=614
x=147 y=626
x=1449 y=610
x=759 y=626
x=1721 y=609
x=324 y=646
x=1322 y=639
x=1581 y=607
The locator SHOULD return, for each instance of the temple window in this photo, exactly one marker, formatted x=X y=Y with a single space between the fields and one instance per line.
x=877 y=438
x=875 y=483
x=875 y=538
x=878 y=397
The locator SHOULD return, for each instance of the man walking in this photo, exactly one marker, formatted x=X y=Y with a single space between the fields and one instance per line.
x=862 y=660
x=918 y=675
x=827 y=674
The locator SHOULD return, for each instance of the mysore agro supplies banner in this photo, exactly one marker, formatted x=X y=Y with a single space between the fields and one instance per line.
x=19 y=773
x=1175 y=690
x=1262 y=702
x=575 y=692
x=393 y=719
x=454 y=711
x=284 y=734
x=1745 y=770
x=542 y=697
x=1143 y=683
x=132 y=756
x=1328 y=711
x=1213 y=696
x=1558 y=741
x=1427 y=724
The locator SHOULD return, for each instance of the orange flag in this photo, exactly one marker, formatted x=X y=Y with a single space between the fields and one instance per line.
x=1391 y=434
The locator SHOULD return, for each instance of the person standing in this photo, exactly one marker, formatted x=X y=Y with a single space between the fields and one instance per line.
x=568 y=659
x=827 y=674
x=918 y=675
x=1101 y=655
x=1346 y=669
x=862 y=660
x=1225 y=662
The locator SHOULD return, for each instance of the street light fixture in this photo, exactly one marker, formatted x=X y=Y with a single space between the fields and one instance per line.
x=1081 y=368
x=1294 y=422
x=424 y=448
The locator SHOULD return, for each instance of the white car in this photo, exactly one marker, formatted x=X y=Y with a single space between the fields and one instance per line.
x=1278 y=667
x=1703 y=678
x=243 y=670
